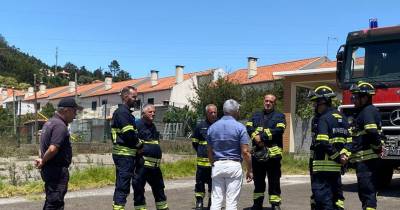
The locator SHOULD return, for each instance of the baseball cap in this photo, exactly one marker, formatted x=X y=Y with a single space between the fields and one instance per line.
x=69 y=102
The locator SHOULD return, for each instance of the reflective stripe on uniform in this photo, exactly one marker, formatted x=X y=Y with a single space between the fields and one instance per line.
x=370 y=126
x=203 y=161
x=257 y=195
x=141 y=207
x=268 y=132
x=275 y=199
x=334 y=156
x=340 y=203
x=256 y=132
x=322 y=137
x=363 y=155
x=151 y=142
x=326 y=165
x=370 y=208
x=152 y=162
x=122 y=150
x=338 y=116
x=349 y=140
x=118 y=207
x=203 y=142
x=199 y=194
x=274 y=151
x=249 y=124
x=194 y=140
x=337 y=140
x=281 y=125
x=127 y=128
x=161 y=205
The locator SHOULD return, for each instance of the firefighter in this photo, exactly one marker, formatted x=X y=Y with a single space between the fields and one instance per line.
x=199 y=142
x=266 y=130
x=330 y=142
x=125 y=146
x=367 y=144
x=148 y=169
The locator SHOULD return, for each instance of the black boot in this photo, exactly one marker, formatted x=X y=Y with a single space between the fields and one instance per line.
x=199 y=203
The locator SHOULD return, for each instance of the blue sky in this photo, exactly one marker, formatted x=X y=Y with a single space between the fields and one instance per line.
x=202 y=34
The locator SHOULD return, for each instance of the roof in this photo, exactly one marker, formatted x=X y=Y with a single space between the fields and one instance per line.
x=47 y=93
x=332 y=64
x=167 y=83
x=81 y=89
x=115 y=87
x=265 y=73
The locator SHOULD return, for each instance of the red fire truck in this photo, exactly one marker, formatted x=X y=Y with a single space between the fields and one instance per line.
x=373 y=55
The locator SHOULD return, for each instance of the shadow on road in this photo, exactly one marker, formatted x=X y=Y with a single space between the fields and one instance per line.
x=265 y=208
x=391 y=191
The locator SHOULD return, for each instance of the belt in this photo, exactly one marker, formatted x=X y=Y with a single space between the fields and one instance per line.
x=232 y=159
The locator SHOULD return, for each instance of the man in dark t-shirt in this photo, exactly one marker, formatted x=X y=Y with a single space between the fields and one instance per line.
x=56 y=153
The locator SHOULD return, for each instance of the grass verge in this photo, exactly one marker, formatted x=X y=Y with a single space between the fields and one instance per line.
x=100 y=176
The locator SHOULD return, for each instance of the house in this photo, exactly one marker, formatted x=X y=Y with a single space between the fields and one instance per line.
x=11 y=96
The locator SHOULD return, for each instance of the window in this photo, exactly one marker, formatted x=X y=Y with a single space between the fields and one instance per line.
x=138 y=104
x=150 y=100
x=94 y=105
x=104 y=101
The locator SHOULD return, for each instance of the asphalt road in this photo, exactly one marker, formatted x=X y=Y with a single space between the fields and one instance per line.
x=295 y=195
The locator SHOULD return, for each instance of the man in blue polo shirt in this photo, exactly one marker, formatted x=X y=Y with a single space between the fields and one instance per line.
x=227 y=144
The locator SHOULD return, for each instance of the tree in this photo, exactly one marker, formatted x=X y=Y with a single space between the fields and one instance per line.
x=216 y=93
x=98 y=74
x=6 y=120
x=48 y=110
x=122 y=76
x=114 y=67
x=70 y=68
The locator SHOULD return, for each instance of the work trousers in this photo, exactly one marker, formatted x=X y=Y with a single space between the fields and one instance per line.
x=124 y=174
x=366 y=179
x=56 y=186
x=153 y=176
x=272 y=170
x=203 y=177
x=326 y=189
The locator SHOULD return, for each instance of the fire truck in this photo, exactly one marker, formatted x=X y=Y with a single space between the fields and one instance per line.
x=373 y=55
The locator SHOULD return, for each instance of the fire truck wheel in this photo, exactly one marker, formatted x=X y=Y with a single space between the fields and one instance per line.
x=384 y=177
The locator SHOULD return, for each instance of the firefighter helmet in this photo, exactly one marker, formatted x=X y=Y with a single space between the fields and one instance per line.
x=323 y=91
x=362 y=88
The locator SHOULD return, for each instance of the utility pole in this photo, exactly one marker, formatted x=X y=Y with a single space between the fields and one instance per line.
x=55 y=71
x=14 y=109
x=76 y=87
x=36 y=110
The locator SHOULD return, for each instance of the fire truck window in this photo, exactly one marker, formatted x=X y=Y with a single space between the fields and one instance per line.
x=357 y=62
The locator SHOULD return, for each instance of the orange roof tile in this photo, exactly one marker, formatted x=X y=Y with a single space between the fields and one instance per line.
x=264 y=73
x=115 y=88
x=332 y=64
x=81 y=89
x=47 y=93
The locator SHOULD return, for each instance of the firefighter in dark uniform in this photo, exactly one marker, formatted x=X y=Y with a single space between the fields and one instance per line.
x=330 y=142
x=367 y=144
x=125 y=146
x=266 y=130
x=199 y=142
x=148 y=169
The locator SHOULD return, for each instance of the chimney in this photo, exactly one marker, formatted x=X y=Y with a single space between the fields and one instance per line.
x=108 y=83
x=251 y=67
x=179 y=73
x=30 y=92
x=154 y=77
x=71 y=85
x=42 y=88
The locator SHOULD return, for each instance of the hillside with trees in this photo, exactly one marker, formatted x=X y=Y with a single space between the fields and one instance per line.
x=17 y=69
